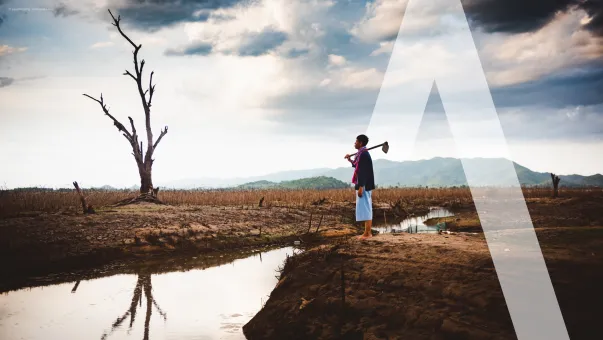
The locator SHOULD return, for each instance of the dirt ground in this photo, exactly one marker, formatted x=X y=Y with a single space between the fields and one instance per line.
x=430 y=286
x=420 y=286
x=425 y=286
x=585 y=210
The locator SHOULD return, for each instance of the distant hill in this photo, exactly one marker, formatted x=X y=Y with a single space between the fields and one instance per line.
x=435 y=172
x=233 y=182
x=316 y=183
x=446 y=172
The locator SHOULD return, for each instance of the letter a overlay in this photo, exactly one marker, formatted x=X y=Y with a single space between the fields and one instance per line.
x=435 y=45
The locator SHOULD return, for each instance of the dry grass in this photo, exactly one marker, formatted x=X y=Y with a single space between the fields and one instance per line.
x=15 y=202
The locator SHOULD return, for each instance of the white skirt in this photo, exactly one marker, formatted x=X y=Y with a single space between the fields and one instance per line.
x=364 y=206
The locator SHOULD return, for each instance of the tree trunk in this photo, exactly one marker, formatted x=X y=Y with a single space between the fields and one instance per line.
x=556 y=180
x=146 y=180
x=87 y=208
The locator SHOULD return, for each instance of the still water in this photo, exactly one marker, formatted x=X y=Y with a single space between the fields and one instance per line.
x=212 y=303
x=415 y=224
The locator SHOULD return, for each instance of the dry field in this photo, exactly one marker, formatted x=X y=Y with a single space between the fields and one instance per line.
x=18 y=202
x=48 y=233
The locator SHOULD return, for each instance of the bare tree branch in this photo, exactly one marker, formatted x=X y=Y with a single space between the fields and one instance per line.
x=163 y=133
x=144 y=159
x=151 y=89
x=141 y=63
x=127 y=73
x=119 y=125
x=161 y=312
x=116 y=24
x=145 y=104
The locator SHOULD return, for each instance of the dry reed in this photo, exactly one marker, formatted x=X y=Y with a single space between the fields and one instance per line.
x=15 y=202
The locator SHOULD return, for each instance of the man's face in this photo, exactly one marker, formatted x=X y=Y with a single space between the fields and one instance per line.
x=357 y=144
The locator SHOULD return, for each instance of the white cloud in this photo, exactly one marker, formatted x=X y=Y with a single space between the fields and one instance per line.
x=385 y=47
x=325 y=82
x=298 y=19
x=507 y=59
x=101 y=44
x=6 y=50
x=357 y=78
x=561 y=44
x=382 y=19
x=336 y=60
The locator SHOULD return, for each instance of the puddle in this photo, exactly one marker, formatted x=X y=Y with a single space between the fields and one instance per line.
x=212 y=303
x=416 y=224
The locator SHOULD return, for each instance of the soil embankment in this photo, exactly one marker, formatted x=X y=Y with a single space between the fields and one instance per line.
x=424 y=286
x=41 y=244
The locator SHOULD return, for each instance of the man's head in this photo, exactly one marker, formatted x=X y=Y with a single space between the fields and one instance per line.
x=361 y=141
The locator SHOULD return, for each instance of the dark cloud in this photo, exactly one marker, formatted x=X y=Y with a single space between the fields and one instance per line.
x=296 y=52
x=197 y=49
x=519 y=16
x=581 y=86
x=256 y=44
x=63 y=10
x=6 y=81
x=152 y=15
x=2 y=15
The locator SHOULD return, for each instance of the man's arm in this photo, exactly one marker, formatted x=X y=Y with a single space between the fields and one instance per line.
x=362 y=173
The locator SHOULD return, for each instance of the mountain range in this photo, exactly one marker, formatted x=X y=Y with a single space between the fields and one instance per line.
x=435 y=172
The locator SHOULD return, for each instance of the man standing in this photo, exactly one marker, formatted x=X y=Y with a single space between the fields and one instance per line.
x=364 y=182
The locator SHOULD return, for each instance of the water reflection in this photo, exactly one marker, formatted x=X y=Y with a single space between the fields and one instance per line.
x=203 y=302
x=143 y=284
x=416 y=224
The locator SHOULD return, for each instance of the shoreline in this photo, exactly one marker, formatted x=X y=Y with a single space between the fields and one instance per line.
x=424 y=286
x=38 y=245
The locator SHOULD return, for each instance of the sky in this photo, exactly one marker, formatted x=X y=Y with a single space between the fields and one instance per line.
x=251 y=87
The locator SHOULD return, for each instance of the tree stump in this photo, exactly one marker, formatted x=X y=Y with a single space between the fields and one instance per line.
x=87 y=208
x=556 y=180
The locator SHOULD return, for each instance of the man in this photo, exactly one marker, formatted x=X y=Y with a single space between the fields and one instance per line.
x=364 y=183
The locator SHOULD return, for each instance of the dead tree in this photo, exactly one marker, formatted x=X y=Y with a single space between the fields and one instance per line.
x=86 y=208
x=143 y=286
x=144 y=160
x=556 y=180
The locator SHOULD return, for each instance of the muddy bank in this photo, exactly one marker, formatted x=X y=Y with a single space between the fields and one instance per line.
x=584 y=210
x=424 y=286
x=42 y=244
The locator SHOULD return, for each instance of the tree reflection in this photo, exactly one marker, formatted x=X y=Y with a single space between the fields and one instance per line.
x=143 y=287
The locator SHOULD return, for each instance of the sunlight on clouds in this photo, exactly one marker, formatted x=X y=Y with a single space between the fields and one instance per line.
x=235 y=82
x=382 y=19
x=285 y=16
x=6 y=50
x=523 y=57
x=360 y=78
x=336 y=60
x=385 y=47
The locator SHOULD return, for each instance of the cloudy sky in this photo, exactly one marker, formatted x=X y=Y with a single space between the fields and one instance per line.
x=253 y=87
